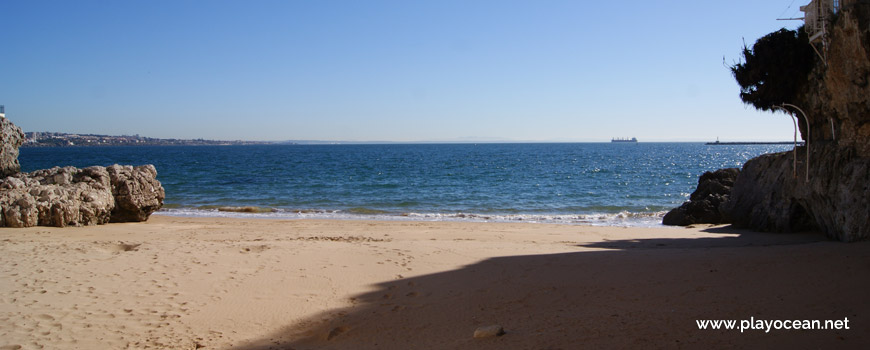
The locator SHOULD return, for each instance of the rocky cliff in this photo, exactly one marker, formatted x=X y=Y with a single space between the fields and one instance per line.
x=72 y=197
x=11 y=137
x=834 y=194
x=768 y=196
x=836 y=98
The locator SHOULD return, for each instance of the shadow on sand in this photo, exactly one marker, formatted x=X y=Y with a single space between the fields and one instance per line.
x=645 y=293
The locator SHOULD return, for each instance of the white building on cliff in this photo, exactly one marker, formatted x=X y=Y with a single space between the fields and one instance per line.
x=817 y=14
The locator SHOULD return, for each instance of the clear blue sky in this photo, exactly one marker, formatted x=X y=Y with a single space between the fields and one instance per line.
x=386 y=70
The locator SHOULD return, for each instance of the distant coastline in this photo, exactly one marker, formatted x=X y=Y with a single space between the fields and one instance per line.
x=58 y=139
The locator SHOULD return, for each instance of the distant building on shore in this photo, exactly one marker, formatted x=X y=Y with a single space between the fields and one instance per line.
x=59 y=139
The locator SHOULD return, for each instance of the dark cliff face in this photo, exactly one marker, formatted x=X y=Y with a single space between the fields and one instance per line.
x=828 y=188
x=771 y=194
x=838 y=93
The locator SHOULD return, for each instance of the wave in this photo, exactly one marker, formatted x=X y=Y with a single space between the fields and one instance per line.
x=366 y=211
x=624 y=218
x=621 y=219
x=247 y=209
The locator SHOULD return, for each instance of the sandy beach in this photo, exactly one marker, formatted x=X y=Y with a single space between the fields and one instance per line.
x=198 y=283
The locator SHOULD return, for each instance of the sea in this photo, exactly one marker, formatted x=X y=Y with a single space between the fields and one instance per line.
x=611 y=184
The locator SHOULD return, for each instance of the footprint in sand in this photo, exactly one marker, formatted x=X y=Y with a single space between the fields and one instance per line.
x=117 y=247
x=254 y=249
x=336 y=332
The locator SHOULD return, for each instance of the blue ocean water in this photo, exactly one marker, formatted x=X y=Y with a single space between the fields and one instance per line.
x=592 y=183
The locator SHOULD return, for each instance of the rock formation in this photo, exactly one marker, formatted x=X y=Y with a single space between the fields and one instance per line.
x=57 y=197
x=770 y=196
x=833 y=196
x=72 y=197
x=11 y=137
x=714 y=188
x=136 y=191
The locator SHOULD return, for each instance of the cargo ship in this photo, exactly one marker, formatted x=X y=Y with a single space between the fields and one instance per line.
x=617 y=139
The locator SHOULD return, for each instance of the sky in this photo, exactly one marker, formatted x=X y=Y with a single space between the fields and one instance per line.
x=545 y=70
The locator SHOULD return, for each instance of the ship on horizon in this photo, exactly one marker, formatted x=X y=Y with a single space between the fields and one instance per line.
x=617 y=139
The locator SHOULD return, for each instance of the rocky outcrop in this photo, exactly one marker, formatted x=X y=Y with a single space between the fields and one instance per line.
x=73 y=197
x=56 y=197
x=714 y=188
x=834 y=194
x=136 y=191
x=771 y=195
x=69 y=196
x=11 y=137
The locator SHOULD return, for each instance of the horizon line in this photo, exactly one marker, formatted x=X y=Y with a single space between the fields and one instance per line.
x=461 y=140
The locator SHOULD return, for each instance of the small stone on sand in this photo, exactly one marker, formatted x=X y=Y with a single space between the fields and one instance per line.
x=489 y=331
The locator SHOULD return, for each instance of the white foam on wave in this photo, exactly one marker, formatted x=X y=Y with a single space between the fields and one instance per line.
x=621 y=219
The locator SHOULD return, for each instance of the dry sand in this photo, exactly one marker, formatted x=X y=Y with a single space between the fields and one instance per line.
x=183 y=283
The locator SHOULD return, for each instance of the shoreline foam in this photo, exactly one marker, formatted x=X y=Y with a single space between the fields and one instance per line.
x=620 y=219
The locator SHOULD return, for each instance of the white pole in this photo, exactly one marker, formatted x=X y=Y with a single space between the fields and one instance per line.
x=794 y=152
x=808 y=136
